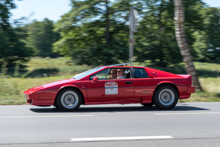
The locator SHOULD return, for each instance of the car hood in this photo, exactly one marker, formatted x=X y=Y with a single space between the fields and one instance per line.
x=49 y=85
x=32 y=90
x=70 y=80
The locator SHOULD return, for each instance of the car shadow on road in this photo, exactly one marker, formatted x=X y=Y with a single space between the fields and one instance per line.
x=89 y=109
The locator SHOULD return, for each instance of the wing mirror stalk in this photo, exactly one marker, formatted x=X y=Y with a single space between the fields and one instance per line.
x=94 y=80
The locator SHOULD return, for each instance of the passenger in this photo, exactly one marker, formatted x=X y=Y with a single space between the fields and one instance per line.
x=113 y=73
x=121 y=73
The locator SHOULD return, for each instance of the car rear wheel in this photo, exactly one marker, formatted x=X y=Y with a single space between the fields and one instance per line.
x=166 y=97
x=69 y=99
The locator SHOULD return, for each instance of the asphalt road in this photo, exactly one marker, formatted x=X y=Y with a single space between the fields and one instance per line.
x=188 y=124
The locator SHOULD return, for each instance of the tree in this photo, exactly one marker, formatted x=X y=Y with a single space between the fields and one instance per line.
x=183 y=46
x=155 y=36
x=11 y=46
x=92 y=34
x=156 y=41
x=40 y=37
x=207 y=41
x=5 y=7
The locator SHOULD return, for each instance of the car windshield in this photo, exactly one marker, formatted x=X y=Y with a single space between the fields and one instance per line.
x=86 y=73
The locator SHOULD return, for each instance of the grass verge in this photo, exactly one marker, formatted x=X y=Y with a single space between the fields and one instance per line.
x=39 y=71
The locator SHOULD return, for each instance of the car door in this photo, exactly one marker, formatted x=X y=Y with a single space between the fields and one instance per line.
x=109 y=90
x=143 y=85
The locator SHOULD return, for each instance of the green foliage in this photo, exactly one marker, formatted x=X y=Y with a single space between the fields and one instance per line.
x=11 y=46
x=155 y=37
x=208 y=40
x=5 y=7
x=96 y=34
x=40 y=37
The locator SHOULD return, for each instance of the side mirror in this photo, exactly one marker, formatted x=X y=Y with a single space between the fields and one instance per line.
x=94 y=80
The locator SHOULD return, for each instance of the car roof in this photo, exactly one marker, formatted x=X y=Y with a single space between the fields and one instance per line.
x=122 y=66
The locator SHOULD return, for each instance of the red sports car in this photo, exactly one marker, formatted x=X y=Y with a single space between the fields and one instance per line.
x=114 y=84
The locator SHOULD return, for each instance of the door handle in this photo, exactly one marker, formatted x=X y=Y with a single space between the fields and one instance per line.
x=128 y=82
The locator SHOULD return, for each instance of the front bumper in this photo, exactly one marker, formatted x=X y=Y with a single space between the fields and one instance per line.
x=33 y=99
x=30 y=97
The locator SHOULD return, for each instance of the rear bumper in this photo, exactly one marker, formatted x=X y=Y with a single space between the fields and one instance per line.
x=185 y=92
x=191 y=90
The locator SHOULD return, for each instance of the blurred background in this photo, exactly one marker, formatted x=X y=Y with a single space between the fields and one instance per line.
x=44 y=41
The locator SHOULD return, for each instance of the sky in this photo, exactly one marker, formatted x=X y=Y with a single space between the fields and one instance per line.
x=40 y=9
x=212 y=3
x=54 y=9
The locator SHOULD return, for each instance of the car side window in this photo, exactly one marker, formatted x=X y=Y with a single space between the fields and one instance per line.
x=140 y=73
x=119 y=73
x=101 y=75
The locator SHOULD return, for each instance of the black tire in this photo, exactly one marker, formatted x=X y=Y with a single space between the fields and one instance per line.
x=55 y=105
x=69 y=99
x=166 y=97
x=147 y=105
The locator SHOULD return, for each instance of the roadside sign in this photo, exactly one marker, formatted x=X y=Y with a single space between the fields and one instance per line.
x=133 y=18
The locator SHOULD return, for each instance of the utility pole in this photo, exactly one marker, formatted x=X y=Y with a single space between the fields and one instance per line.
x=133 y=17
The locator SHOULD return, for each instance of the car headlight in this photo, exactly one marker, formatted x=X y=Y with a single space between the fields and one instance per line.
x=26 y=96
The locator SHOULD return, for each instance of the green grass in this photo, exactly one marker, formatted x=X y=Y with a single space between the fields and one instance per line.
x=36 y=72
x=39 y=71
x=12 y=91
x=44 y=67
x=211 y=87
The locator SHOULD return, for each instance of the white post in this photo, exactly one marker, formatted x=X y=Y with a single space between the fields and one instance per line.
x=131 y=35
x=133 y=21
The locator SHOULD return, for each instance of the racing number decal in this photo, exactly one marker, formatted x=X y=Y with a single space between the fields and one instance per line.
x=111 y=88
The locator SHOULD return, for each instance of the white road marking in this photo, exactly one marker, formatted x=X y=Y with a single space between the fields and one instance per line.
x=186 y=113
x=120 y=138
x=55 y=116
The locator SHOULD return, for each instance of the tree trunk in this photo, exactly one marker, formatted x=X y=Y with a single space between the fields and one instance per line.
x=181 y=40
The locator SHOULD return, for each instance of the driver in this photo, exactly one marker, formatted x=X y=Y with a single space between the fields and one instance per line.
x=113 y=73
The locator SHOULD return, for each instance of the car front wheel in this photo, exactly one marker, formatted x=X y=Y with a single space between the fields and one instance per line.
x=166 y=97
x=69 y=99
